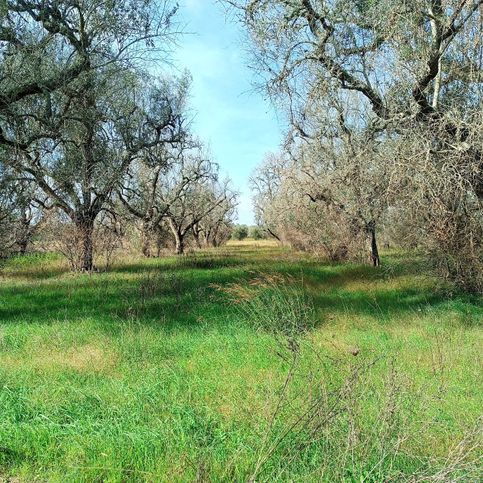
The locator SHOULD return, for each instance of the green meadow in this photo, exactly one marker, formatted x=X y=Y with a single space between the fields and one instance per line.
x=246 y=363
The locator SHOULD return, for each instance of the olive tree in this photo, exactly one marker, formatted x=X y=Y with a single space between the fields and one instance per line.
x=20 y=212
x=179 y=188
x=216 y=227
x=76 y=136
x=192 y=194
x=266 y=184
x=414 y=67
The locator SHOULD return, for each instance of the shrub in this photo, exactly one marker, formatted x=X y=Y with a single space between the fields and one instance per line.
x=358 y=427
x=276 y=304
x=240 y=232
x=256 y=233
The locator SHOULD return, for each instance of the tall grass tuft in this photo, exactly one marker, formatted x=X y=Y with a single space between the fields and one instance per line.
x=370 y=425
x=349 y=416
x=274 y=303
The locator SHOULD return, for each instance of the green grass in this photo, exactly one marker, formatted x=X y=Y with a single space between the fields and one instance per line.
x=189 y=369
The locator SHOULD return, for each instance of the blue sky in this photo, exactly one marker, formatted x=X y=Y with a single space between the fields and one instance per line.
x=237 y=123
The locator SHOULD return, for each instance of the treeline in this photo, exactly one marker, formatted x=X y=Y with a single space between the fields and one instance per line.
x=242 y=232
x=93 y=145
x=384 y=103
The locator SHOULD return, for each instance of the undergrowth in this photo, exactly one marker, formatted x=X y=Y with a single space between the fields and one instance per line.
x=242 y=364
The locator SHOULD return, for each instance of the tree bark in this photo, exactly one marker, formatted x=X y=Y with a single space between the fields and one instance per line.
x=86 y=233
x=25 y=234
x=197 y=238
x=178 y=236
x=146 y=248
x=179 y=243
x=376 y=261
x=23 y=245
x=207 y=239
x=146 y=241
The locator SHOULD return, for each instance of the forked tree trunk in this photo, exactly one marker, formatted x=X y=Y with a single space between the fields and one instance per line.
x=208 y=237
x=178 y=236
x=158 y=245
x=273 y=234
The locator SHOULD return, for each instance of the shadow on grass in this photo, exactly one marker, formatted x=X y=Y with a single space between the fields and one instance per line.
x=176 y=292
x=33 y=266
x=165 y=294
x=34 y=274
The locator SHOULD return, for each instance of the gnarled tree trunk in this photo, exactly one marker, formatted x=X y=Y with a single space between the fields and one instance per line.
x=85 y=228
x=179 y=238
x=376 y=261
x=146 y=240
x=25 y=234
x=196 y=236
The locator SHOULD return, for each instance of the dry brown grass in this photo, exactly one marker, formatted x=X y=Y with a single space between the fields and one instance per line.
x=253 y=243
x=87 y=358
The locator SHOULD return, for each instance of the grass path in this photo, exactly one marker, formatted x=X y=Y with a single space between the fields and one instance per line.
x=151 y=373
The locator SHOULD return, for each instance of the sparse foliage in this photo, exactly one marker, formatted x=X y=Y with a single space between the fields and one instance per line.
x=387 y=97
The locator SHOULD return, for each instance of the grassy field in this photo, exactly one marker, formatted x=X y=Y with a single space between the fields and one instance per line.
x=250 y=362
